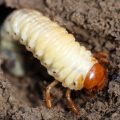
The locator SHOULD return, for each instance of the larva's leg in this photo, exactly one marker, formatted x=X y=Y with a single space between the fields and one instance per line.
x=47 y=93
x=71 y=102
x=102 y=57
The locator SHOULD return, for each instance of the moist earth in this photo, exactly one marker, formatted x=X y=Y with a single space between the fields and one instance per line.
x=96 y=25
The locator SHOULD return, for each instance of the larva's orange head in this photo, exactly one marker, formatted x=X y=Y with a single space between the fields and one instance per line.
x=95 y=78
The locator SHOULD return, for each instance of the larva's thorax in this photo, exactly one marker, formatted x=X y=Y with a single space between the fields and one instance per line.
x=64 y=58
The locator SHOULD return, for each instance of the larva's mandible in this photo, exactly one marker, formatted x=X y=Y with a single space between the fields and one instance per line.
x=67 y=61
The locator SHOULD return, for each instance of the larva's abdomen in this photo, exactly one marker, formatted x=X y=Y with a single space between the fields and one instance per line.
x=65 y=59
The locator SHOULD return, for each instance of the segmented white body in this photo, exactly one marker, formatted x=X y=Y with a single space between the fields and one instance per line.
x=64 y=58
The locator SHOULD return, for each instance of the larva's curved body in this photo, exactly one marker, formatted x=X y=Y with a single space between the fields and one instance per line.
x=64 y=58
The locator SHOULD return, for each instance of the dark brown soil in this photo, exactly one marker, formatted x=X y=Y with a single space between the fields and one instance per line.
x=96 y=24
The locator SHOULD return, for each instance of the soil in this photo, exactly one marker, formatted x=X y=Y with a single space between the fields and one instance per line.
x=96 y=25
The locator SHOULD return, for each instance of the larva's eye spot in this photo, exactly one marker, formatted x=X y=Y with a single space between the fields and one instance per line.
x=35 y=55
x=45 y=63
x=15 y=34
x=74 y=83
x=28 y=48
x=54 y=72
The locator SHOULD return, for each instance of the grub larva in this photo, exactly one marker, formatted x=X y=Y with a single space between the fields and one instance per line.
x=65 y=59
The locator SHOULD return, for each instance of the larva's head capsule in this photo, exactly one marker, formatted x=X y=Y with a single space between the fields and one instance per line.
x=95 y=78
